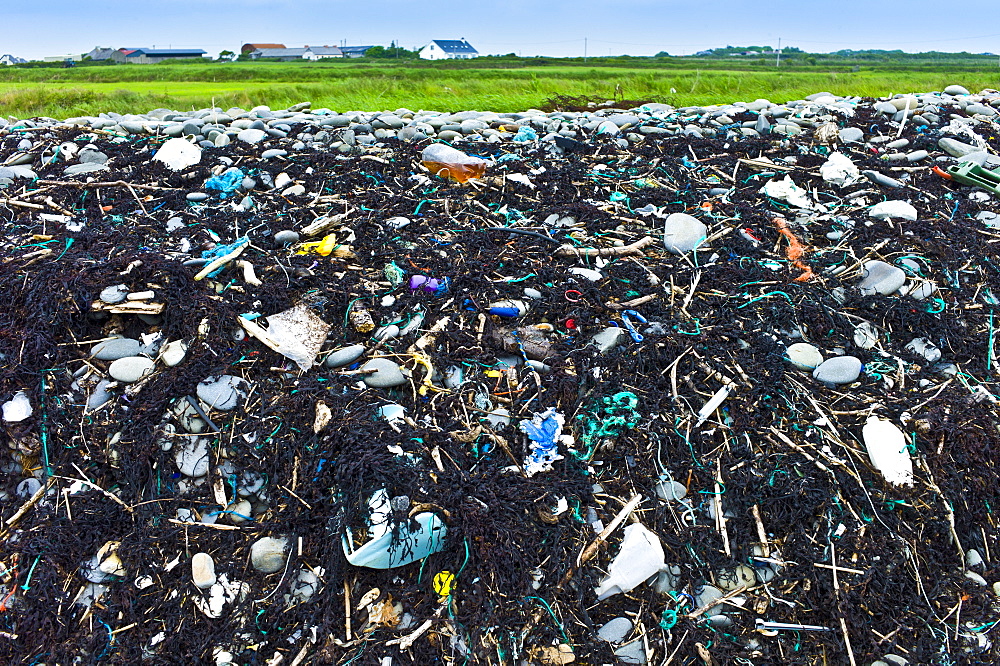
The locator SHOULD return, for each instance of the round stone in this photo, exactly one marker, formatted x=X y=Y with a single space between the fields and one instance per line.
x=386 y=373
x=173 y=353
x=683 y=233
x=804 y=356
x=839 y=370
x=707 y=594
x=344 y=356
x=616 y=630
x=196 y=197
x=115 y=294
x=222 y=392
x=881 y=278
x=267 y=554
x=114 y=349
x=192 y=456
x=203 y=571
x=131 y=368
x=851 y=135
x=286 y=237
x=251 y=136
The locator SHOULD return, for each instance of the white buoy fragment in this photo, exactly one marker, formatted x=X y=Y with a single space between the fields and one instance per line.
x=886 y=446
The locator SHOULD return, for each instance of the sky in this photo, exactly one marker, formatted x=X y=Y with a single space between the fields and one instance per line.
x=42 y=28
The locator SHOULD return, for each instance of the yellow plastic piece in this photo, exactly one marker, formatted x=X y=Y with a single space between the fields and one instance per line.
x=321 y=247
x=444 y=581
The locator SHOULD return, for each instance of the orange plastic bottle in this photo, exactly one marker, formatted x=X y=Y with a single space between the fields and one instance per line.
x=452 y=164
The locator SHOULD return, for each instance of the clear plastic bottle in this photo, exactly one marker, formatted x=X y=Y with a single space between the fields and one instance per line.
x=453 y=164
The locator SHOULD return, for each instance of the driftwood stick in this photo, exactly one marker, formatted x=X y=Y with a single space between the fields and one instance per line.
x=634 y=248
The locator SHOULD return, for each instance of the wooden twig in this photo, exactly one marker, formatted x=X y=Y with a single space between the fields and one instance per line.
x=120 y=183
x=634 y=248
x=32 y=501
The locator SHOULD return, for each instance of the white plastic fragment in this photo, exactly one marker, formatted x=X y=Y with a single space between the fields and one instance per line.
x=839 y=170
x=786 y=190
x=713 y=403
x=886 y=446
x=640 y=558
x=17 y=408
x=888 y=210
x=390 y=548
x=296 y=333
x=178 y=154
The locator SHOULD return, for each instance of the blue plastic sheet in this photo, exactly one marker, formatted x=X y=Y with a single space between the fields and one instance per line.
x=221 y=250
x=545 y=432
x=226 y=183
x=525 y=134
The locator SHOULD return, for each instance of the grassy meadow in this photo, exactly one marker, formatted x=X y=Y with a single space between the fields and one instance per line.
x=495 y=84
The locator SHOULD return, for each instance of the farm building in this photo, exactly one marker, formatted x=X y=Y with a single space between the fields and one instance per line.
x=279 y=55
x=354 y=51
x=145 y=56
x=323 y=52
x=247 y=49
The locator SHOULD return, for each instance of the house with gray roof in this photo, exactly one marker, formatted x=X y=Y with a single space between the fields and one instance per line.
x=99 y=53
x=323 y=52
x=8 y=60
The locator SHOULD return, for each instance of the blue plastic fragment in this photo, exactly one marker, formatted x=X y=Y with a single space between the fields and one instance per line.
x=505 y=312
x=524 y=134
x=544 y=430
x=222 y=250
x=227 y=182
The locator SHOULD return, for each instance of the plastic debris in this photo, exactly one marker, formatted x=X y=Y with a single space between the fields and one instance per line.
x=545 y=432
x=639 y=559
x=395 y=546
x=886 y=447
x=227 y=182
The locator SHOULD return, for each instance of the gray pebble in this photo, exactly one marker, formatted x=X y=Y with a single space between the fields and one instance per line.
x=881 y=278
x=222 y=392
x=115 y=294
x=191 y=456
x=387 y=373
x=344 y=356
x=267 y=554
x=955 y=148
x=839 y=370
x=682 y=233
x=112 y=350
x=286 y=237
x=131 y=368
x=851 y=135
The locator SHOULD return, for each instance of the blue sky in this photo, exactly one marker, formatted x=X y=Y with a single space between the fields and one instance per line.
x=528 y=27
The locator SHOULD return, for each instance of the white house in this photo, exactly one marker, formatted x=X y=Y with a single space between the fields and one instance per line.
x=448 y=49
x=8 y=59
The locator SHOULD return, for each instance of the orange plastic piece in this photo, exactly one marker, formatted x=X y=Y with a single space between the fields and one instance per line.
x=460 y=173
x=795 y=250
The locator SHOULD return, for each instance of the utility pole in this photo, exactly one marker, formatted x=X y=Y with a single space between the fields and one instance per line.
x=777 y=62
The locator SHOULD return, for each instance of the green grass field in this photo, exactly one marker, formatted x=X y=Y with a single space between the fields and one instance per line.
x=485 y=84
